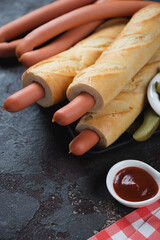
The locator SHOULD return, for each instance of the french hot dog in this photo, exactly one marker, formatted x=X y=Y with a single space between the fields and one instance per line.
x=123 y=59
x=54 y=79
x=75 y=18
x=39 y=17
x=56 y=73
x=106 y=67
x=119 y=114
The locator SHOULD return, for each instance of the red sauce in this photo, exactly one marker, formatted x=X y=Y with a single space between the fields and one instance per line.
x=135 y=184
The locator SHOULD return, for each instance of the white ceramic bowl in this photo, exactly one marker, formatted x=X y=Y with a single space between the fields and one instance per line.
x=132 y=163
x=153 y=96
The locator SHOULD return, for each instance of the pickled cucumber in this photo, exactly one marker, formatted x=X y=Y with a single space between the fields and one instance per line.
x=157 y=86
x=150 y=124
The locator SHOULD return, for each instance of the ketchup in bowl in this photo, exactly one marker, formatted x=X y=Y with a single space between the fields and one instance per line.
x=135 y=184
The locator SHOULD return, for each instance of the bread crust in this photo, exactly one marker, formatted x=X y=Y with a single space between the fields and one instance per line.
x=120 y=113
x=56 y=73
x=130 y=51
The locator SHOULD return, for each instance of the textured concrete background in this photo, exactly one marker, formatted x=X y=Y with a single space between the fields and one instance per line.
x=45 y=193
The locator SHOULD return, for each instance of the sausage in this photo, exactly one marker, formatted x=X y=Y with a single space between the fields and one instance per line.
x=62 y=43
x=83 y=142
x=75 y=18
x=73 y=110
x=65 y=116
x=59 y=45
x=39 y=17
x=31 y=58
x=29 y=95
x=8 y=49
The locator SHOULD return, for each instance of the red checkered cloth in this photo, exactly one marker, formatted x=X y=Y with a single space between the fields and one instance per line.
x=141 y=224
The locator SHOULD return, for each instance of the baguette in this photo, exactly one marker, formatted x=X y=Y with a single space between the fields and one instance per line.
x=119 y=114
x=56 y=73
x=130 y=51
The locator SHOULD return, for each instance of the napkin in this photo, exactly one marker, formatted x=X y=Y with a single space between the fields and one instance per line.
x=141 y=224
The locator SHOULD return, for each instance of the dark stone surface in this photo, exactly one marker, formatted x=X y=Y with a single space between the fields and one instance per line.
x=45 y=193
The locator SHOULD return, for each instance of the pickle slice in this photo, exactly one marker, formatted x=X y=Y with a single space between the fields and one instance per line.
x=157 y=86
x=150 y=124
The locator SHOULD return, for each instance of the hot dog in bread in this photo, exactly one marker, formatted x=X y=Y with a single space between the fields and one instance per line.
x=105 y=126
x=123 y=59
x=56 y=73
x=110 y=10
